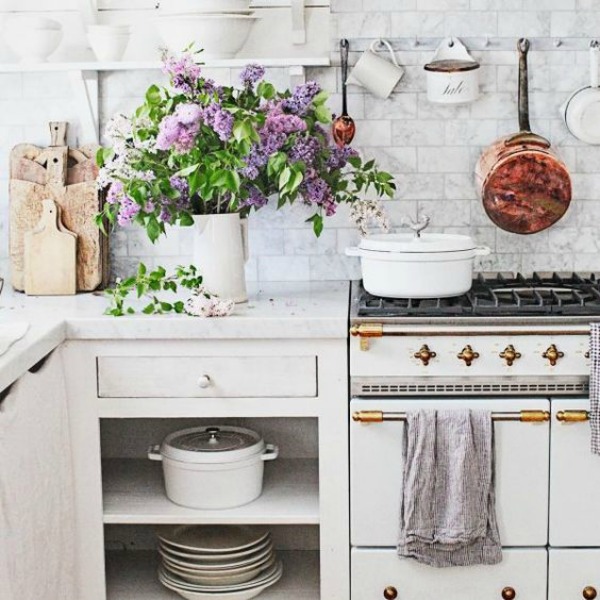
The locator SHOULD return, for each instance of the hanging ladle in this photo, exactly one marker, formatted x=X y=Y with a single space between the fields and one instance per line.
x=343 y=127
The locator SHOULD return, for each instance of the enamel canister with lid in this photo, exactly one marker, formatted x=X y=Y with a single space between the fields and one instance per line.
x=453 y=74
x=213 y=467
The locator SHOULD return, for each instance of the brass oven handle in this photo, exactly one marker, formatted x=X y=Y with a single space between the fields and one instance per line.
x=509 y=593
x=467 y=355
x=573 y=416
x=425 y=354
x=589 y=592
x=524 y=416
x=390 y=593
x=509 y=354
x=553 y=354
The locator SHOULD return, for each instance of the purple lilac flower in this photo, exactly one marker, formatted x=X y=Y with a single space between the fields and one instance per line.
x=115 y=193
x=149 y=207
x=256 y=198
x=223 y=124
x=168 y=132
x=164 y=215
x=181 y=185
x=305 y=149
x=183 y=71
x=188 y=113
x=252 y=74
x=338 y=157
x=315 y=190
x=172 y=132
x=128 y=210
x=282 y=123
x=257 y=159
x=301 y=98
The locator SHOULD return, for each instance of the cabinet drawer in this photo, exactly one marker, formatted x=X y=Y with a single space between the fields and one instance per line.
x=571 y=572
x=373 y=570
x=206 y=376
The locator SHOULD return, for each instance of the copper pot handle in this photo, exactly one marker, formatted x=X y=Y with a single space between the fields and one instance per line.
x=523 y=46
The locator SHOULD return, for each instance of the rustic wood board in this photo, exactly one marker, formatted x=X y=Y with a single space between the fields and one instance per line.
x=50 y=256
x=67 y=176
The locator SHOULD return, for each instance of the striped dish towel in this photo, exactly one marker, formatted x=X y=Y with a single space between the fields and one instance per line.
x=448 y=512
x=595 y=386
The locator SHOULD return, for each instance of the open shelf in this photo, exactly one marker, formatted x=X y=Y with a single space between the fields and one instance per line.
x=146 y=65
x=132 y=576
x=134 y=494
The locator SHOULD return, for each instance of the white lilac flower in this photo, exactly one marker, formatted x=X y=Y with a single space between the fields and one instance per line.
x=363 y=212
x=205 y=304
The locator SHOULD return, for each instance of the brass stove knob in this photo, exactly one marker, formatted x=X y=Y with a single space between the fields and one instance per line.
x=468 y=355
x=589 y=592
x=425 y=354
x=510 y=355
x=509 y=593
x=390 y=593
x=553 y=354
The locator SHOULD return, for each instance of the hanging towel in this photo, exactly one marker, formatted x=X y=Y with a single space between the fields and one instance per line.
x=448 y=512
x=595 y=386
x=37 y=538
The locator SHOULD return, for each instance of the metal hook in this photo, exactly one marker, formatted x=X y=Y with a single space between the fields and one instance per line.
x=595 y=44
x=558 y=43
x=486 y=41
x=451 y=43
x=415 y=42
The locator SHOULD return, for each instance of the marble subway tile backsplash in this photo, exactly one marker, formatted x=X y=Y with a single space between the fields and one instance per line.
x=431 y=149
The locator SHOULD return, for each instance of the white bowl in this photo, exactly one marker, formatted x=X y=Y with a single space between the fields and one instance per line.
x=175 y=7
x=32 y=39
x=108 y=42
x=219 y=35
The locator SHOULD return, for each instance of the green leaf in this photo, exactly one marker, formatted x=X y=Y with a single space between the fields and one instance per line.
x=243 y=130
x=148 y=309
x=166 y=306
x=185 y=219
x=153 y=95
x=284 y=177
x=276 y=163
x=140 y=289
x=317 y=221
x=323 y=114
x=195 y=181
x=369 y=165
x=100 y=157
x=355 y=161
x=266 y=90
x=187 y=171
x=153 y=229
x=178 y=307
x=320 y=98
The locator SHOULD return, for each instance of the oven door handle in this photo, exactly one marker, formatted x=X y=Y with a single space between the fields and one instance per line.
x=523 y=416
x=573 y=416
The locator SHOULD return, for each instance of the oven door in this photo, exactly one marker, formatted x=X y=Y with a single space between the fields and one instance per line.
x=574 y=480
x=522 y=467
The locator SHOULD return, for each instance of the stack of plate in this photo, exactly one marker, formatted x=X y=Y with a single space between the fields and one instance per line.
x=225 y=562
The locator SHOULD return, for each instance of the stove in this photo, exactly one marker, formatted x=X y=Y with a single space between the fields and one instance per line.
x=510 y=334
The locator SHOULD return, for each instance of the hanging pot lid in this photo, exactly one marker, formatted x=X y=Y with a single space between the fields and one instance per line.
x=451 y=66
x=425 y=243
x=214 y=444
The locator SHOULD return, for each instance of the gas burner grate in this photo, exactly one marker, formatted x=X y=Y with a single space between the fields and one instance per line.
x=499 y=294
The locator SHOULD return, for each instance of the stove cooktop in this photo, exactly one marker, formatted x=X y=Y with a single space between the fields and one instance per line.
x=496 y=295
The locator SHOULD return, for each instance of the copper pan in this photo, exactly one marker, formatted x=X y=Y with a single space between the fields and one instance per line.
x=524 y=185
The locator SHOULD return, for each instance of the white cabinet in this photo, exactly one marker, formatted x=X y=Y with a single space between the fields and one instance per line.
x=380 y=573
x=574 y=481
x=573 y=574
x=37 y=532
x=522 y=461
x=293 y=391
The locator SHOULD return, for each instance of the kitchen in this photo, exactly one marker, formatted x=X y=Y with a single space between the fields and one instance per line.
x=302 y=312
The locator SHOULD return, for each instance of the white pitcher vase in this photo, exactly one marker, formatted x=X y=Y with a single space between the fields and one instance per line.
x=220 y=253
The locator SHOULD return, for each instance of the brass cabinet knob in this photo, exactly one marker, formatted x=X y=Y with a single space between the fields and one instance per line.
x=390 y=593
x=510 y=355
x=509 y=593
x=589 y=592
x=468 y=355
x=425 y=354
x=553 y=354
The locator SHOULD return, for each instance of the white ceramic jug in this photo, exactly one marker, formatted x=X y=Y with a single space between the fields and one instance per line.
x=220 y=252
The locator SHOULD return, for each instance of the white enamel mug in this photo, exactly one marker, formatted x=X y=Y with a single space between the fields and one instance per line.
x=375 y=73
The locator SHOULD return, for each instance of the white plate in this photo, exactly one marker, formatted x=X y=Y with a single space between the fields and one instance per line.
x=220 y=579
x=215 y=569
x=225 y=560
x=174 y=580
x=217 y=539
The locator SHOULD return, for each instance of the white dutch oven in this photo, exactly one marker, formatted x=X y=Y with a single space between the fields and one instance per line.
x=213 y=467
x=453 y=74
x=403 y=265
x=581 y=111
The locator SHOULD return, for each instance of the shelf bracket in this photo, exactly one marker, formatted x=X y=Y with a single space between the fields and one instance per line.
x=297 y=76
x=298 y=22
x=84 y=85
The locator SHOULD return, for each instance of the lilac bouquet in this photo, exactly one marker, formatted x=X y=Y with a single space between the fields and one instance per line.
x=201 y=148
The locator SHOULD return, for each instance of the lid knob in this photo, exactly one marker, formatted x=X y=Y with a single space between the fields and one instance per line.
x=213 y=433
x=418 y=225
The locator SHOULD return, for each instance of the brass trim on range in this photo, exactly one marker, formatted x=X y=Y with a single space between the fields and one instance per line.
x=553 y=354
x=509 y=354
x=468 y=355
x=365 y=331
x=573 y=416
x=425 y=354
x=524 y=416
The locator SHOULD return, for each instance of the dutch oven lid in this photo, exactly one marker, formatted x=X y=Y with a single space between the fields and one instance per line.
x=451 y=66
x=222 y=444
x=426 y=243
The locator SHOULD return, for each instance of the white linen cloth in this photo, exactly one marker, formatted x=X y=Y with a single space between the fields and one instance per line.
x=37 y=559
x=595 y=387
x=447 y=512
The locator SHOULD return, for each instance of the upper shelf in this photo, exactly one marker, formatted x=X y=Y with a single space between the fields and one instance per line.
x=133 y=66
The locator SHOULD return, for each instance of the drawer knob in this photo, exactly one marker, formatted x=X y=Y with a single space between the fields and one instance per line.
x=390 y=593
x=553 y=354
x=204 y=381
x=509 y=593
x=425 y=354
x=468 y=355
x=589 y=592
x=510 y=355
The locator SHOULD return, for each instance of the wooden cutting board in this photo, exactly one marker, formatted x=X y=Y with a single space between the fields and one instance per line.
x=50 y=256
x=67 y=176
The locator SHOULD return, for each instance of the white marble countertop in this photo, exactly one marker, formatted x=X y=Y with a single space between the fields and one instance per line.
x=276 y=310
